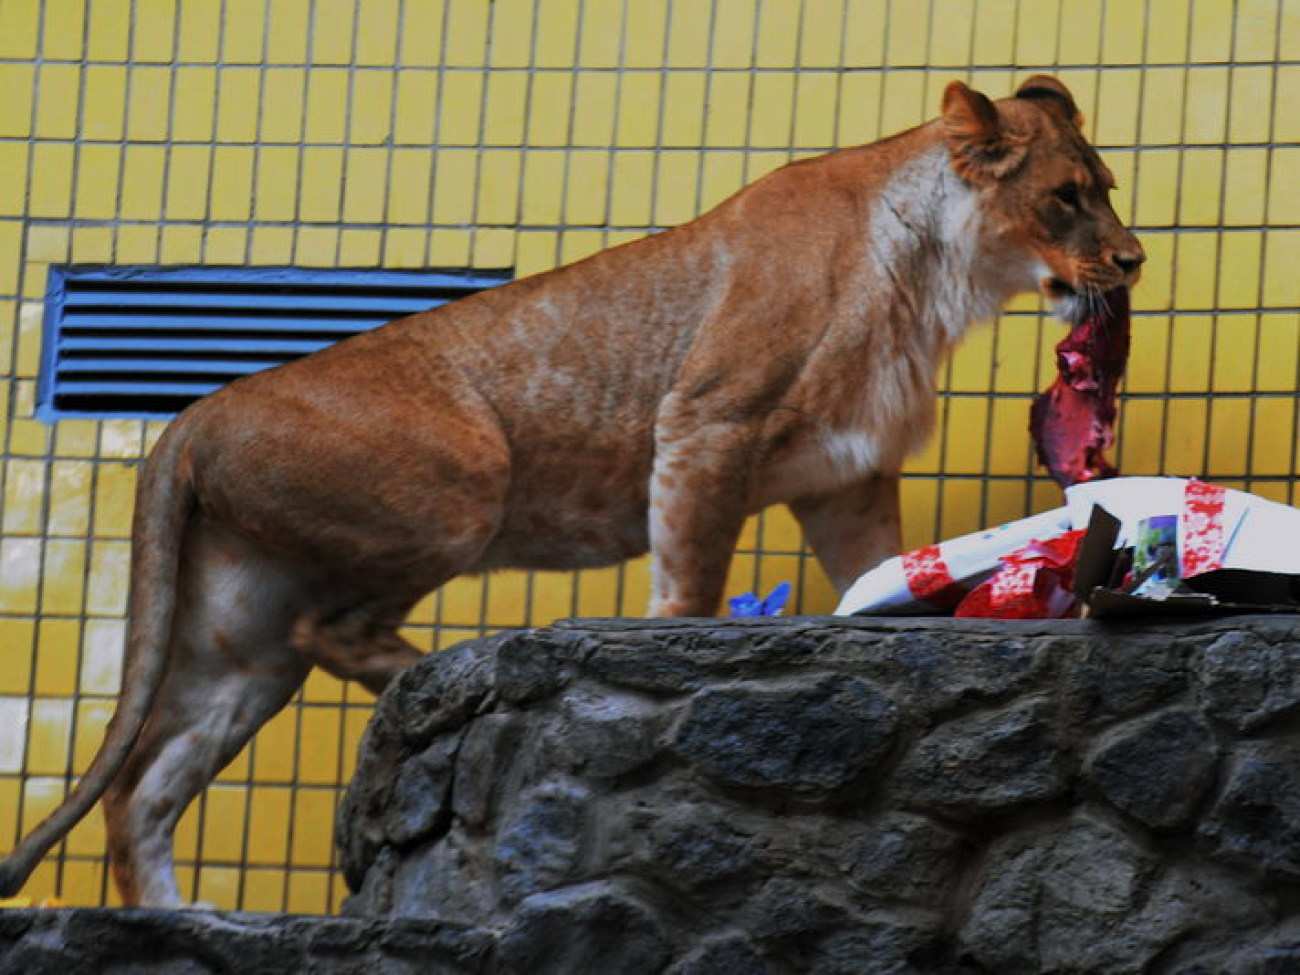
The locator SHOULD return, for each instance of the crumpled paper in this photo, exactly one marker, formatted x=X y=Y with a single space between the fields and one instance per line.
x=1035 y=582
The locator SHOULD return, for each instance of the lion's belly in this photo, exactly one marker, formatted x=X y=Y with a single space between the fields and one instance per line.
x=563 y=536
x=573 y=507
x=557 y=546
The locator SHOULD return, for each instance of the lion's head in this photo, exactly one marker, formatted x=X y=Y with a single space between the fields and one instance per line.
x=1045 y=188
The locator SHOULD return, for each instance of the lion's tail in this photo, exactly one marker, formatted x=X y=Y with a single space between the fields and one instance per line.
x=163 y=504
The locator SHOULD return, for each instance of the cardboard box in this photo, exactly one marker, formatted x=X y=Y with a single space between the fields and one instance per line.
x=1101 y=566
x=1235 y=552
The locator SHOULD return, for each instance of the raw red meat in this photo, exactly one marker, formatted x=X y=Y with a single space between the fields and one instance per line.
x=1073 y=421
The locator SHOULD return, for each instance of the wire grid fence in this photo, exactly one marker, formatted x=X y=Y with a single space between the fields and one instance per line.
x=528 y=133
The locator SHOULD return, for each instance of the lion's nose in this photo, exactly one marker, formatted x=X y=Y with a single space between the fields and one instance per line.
x=1129 y=261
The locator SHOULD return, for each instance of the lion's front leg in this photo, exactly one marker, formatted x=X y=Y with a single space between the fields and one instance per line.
x=852 y=529
x=697 y=508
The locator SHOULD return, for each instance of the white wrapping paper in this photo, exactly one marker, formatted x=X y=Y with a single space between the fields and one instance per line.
x=970 y=560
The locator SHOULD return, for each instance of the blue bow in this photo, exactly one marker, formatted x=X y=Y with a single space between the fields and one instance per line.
x=749 y=604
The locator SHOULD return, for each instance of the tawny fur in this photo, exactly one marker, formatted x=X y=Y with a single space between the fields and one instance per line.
x=780 y=349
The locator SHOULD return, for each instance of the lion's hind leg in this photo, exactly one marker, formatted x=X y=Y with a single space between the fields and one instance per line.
x=231 y=668
x=195 y=732
x=360 y=644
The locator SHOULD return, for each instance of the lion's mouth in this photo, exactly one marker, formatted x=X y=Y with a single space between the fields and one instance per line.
x=1059 y=289
x=1067 y=303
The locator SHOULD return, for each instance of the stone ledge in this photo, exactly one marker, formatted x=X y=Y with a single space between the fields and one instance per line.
x=94 y=941
x=801 y=795
x=811 y=796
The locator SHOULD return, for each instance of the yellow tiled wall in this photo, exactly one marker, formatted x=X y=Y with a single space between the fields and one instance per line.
x=525 y=133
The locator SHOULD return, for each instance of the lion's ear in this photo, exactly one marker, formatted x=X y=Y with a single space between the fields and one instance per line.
x=979 y=145
x=1052 y=95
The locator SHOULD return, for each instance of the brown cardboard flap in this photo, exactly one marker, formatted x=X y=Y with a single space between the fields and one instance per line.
x=1096 y=558
x=1110 y=604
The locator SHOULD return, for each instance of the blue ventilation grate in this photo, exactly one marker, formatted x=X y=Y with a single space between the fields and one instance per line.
x=149 y=341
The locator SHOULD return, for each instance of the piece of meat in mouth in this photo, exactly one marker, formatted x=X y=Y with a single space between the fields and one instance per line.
x=1073 y=421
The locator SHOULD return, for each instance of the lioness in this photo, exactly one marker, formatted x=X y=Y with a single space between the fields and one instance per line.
x=781 y=348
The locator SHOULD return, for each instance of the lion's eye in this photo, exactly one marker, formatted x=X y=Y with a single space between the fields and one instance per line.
x=1068 y=194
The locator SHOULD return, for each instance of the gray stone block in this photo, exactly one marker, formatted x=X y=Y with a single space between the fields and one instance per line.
x=1249 y=681
x=813 y=736
x=587 y=929
x=539 y=848
x=434 y=697
x=487 y=752
x=793 y=909
x=986 y=763
x=904 y=856
x=1122 y=672
x=1156 y=769
x=1255 y=820
x=693 y=846
x=884 y=945
x=606 y=735
x=734 y=955
x=420 y=800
